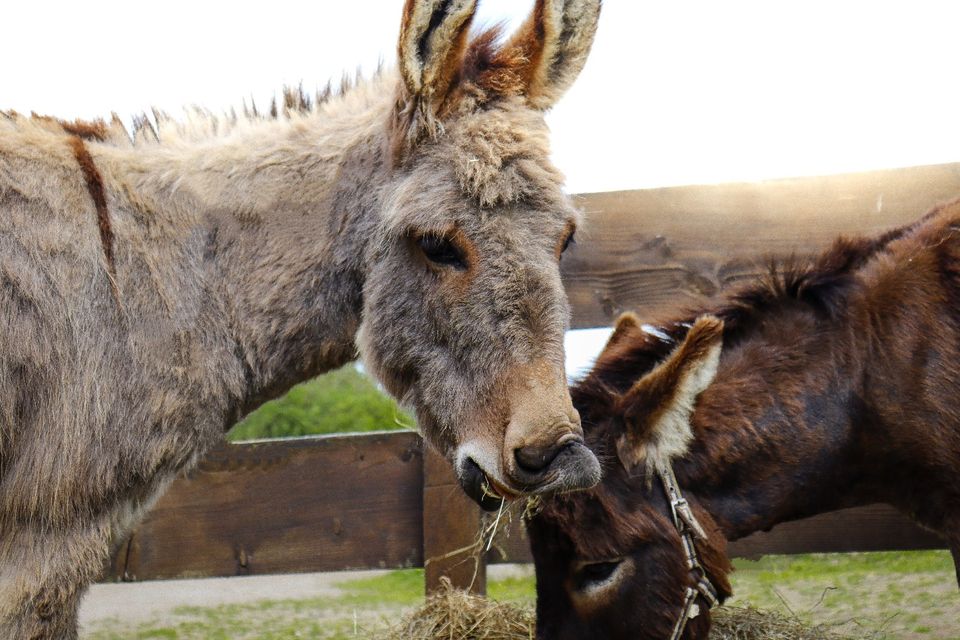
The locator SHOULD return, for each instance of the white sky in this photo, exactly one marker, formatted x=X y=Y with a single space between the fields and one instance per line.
x=676 y=92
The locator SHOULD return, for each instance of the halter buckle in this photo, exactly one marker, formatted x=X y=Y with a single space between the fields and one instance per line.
x=683 y=514
x=689 y=528
x=708 y=592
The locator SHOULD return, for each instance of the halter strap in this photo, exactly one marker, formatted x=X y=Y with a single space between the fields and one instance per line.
x=689 y=529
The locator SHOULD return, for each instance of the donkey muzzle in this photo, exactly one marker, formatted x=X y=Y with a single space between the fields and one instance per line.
x=476 y=484
x=567 y=466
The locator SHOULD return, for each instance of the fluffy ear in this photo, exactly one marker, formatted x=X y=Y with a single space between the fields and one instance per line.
x=626 y=324
x=549 y=50
x=433 y=42
x=657 y=409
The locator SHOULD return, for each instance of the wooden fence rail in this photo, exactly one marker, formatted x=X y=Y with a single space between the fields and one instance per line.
x=376 y=501
x=652 y=250
x=379 y=501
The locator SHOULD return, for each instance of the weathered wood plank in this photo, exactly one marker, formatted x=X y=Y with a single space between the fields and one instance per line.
x=872 y=528
x=511 y=544
x=654 y=250
x=451 y=529
x=311 y=504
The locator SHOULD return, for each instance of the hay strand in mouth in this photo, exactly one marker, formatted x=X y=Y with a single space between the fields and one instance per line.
x=487 y=536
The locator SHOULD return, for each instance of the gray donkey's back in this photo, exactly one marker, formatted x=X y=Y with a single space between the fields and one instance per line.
x=102 y=396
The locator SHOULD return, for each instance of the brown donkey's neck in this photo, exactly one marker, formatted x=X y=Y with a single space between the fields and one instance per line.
x=774 y=434
x=270 y=224
x=847 y=401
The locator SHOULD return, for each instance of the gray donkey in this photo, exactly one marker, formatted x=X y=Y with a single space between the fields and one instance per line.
x=156 y=286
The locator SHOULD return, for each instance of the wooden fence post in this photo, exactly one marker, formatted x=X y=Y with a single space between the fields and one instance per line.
x=451 y=530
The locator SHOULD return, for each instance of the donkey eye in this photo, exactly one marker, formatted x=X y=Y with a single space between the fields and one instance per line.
x=594 y=574
x=442 y=251
x=566 y=243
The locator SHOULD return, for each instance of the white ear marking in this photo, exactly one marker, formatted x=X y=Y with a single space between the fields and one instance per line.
x=659 y=407
x=672 y=433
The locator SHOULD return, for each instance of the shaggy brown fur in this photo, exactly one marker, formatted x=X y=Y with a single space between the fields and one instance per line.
x=156 y=286
x=837 y=386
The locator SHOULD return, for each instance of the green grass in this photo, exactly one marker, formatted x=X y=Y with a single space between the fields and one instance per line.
x=345 y=400
x=821 y=565
x=516 y=590
x=404 y=587
x=888 y=596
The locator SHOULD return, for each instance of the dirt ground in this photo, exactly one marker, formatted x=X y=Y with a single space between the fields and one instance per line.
x=144 y=601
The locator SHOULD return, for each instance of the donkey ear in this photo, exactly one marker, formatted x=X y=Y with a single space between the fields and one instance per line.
x=657 y=408
x=626 y=324
x=550 y=49
x=433 y=41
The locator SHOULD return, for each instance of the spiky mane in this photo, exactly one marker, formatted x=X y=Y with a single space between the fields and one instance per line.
x=199 y=123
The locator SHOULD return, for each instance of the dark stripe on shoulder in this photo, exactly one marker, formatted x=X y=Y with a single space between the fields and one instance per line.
x=95 y=186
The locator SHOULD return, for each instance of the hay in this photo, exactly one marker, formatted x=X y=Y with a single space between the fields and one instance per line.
x=452 y=614
x=747 y=623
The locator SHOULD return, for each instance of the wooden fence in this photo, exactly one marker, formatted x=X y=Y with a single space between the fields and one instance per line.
x=381 y=501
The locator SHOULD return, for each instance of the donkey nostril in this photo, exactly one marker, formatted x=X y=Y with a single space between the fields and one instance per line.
x=536 y=459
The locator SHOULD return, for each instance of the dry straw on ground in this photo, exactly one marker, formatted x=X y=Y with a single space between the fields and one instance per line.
x=747 y=623
x=452 y=614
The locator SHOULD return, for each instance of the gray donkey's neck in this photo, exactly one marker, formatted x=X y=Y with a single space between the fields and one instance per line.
x=280 y=214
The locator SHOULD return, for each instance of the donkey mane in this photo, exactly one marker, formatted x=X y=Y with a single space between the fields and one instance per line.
x=496 y=166
x=819 y=284
x=198 y=123
x=490 y=72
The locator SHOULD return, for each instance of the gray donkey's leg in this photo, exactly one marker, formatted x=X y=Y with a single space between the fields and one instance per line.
x=43 y=574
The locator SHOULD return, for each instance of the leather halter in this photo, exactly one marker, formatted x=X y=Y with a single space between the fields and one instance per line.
x=689 y=529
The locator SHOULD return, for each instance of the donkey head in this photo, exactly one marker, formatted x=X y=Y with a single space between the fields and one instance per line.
x=609 y=561
x=464 y=311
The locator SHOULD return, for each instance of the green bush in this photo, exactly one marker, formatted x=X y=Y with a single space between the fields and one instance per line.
x=344 y=400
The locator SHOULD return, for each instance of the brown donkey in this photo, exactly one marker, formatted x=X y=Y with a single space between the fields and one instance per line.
x=824 y=387
x=155 y=288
